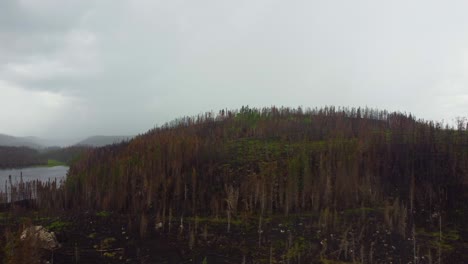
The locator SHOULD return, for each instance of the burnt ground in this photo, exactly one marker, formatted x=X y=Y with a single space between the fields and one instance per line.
x=351 y=236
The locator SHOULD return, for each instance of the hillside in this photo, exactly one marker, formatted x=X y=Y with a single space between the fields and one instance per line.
x=389 y=170
x=11 y=141
x=99 y=141
x=272 y=185
x=19 y=157
x=317 y=155
x=14 y=157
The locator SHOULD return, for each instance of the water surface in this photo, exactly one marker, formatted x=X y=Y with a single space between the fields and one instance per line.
x=32 y=173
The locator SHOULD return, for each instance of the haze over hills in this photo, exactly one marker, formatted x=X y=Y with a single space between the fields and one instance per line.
x=11 y=141
x=44 y=143
x=34 y=142
x=99 y=141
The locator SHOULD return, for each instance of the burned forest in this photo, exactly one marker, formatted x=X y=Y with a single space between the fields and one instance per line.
x=269 y=185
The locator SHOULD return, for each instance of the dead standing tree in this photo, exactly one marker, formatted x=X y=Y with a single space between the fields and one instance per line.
x=232 y=199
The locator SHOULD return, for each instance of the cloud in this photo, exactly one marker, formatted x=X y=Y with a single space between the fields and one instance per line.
x=27 y=110
x=75 y=59
x=135 y=64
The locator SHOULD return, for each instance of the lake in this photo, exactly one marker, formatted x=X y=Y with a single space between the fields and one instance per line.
x=32 y=173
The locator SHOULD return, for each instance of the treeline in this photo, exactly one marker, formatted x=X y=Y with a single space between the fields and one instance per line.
x=276 y=161
x=66 y=155
x=17 y=157
x=12 y=157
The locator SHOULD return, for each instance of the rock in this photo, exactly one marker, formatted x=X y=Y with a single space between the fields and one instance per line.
x=46 y=240
x=159 y=225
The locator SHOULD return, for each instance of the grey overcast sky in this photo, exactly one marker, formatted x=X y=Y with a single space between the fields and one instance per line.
x=75 y=68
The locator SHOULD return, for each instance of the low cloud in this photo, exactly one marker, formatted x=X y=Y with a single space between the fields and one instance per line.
x=122 y=67
x=26 y=110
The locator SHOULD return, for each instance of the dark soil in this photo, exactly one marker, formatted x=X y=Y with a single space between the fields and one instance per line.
x=104 y=237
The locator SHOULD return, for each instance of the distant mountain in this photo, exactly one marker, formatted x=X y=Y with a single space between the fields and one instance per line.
x=11 y=141
x=42 y=144
x=99 y=141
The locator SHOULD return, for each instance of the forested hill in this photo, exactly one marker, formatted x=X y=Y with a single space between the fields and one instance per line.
x=18 y=157
x=12 y=157
x=277 y=161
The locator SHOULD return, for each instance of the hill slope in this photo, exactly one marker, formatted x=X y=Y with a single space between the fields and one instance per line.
x=306 y=160
x=11 y=141
x=323 y=174
x=99 y=141
x=15 y=157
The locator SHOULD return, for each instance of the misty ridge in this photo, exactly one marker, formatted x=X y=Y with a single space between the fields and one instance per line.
x=44 y=143
x=18 y=152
